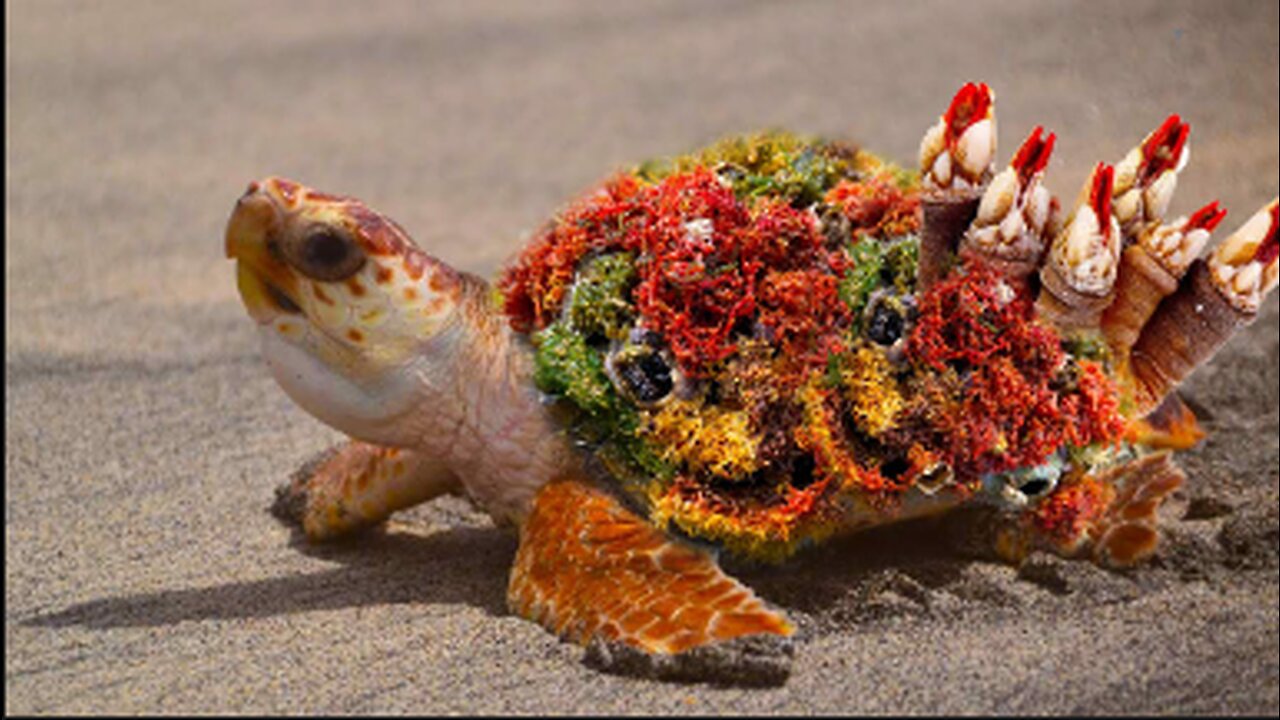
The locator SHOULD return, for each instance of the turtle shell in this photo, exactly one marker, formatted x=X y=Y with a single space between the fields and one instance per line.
x=736 y=335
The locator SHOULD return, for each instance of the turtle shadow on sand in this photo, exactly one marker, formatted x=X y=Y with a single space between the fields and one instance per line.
x=919 y=569
x=469 y=564
x=894 y=571
x=940 y=569
x=457 y=565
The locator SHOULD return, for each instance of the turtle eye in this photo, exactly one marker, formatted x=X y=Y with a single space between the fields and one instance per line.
x=326 y=254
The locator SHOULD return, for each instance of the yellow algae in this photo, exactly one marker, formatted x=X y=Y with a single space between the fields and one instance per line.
x=869 y=386
x=712 y=440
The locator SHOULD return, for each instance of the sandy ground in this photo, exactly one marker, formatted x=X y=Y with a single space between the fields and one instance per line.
x=144 y=438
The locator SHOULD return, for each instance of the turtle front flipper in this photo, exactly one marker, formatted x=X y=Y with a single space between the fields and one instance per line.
x=642 y=602
x=357 y=485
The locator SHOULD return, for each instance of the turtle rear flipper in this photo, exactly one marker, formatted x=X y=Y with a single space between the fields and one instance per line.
x=644 y=603
x=1111 y=519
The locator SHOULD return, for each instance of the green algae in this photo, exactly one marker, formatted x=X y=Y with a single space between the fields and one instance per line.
x=901 y=261
x=799 y=170
x=864 y=277
x=601 y=306
x=878 y=264
x=566 y=367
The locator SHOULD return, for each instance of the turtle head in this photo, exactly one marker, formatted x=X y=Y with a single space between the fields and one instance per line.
x=350 y=311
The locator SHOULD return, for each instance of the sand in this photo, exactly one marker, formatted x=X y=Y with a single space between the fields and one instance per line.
x=143 y=436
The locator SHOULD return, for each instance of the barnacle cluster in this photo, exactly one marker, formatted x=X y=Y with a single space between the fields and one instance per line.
x=739 y=336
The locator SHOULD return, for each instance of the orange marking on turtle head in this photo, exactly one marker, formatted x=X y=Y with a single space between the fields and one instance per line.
x=436 y=283
x=356 y=287
x=377 y=234
x=415 y=264
x=383 y=275
x=355 y=336
x=321 y=295
x=288 y=190
x=319 y=196
x=411 y=294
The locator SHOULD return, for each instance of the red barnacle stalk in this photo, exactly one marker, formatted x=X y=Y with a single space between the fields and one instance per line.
x=1163 y=150
x=1034 y=155
x=1269 y=250
x=1207 y=218
x=1100 y=198
x=969 y=107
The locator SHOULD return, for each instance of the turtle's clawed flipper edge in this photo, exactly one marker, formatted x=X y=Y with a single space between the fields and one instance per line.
x=642 y=602
x=356 y=485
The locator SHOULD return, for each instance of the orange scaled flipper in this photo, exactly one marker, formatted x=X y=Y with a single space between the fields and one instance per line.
x=643 y=603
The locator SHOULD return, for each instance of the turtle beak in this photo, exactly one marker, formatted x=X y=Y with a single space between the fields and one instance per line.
x=268 y=287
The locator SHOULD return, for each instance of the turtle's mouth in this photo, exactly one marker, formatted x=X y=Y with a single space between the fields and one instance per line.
x=264 y=300
x=267 y=285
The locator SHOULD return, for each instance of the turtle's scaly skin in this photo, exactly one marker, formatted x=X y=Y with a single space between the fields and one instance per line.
x=760 y=345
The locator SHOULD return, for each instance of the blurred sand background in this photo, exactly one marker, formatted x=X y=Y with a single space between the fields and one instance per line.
x=144 y=438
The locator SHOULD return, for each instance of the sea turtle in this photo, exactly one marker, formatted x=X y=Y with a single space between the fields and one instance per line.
x=749 y=350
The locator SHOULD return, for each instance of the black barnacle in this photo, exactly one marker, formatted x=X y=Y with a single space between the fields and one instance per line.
x=1036 y=488
x=887 y=325
x=895 y=469
x=730 y=173
x=642 y=374
x=888 y=319
x=647 y=378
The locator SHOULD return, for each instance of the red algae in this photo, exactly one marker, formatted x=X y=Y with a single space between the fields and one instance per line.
x=704 y=260
x=1020 y=404
x=802 y=309
x=534 y=287
x=1069 y=514
x=877 y=208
